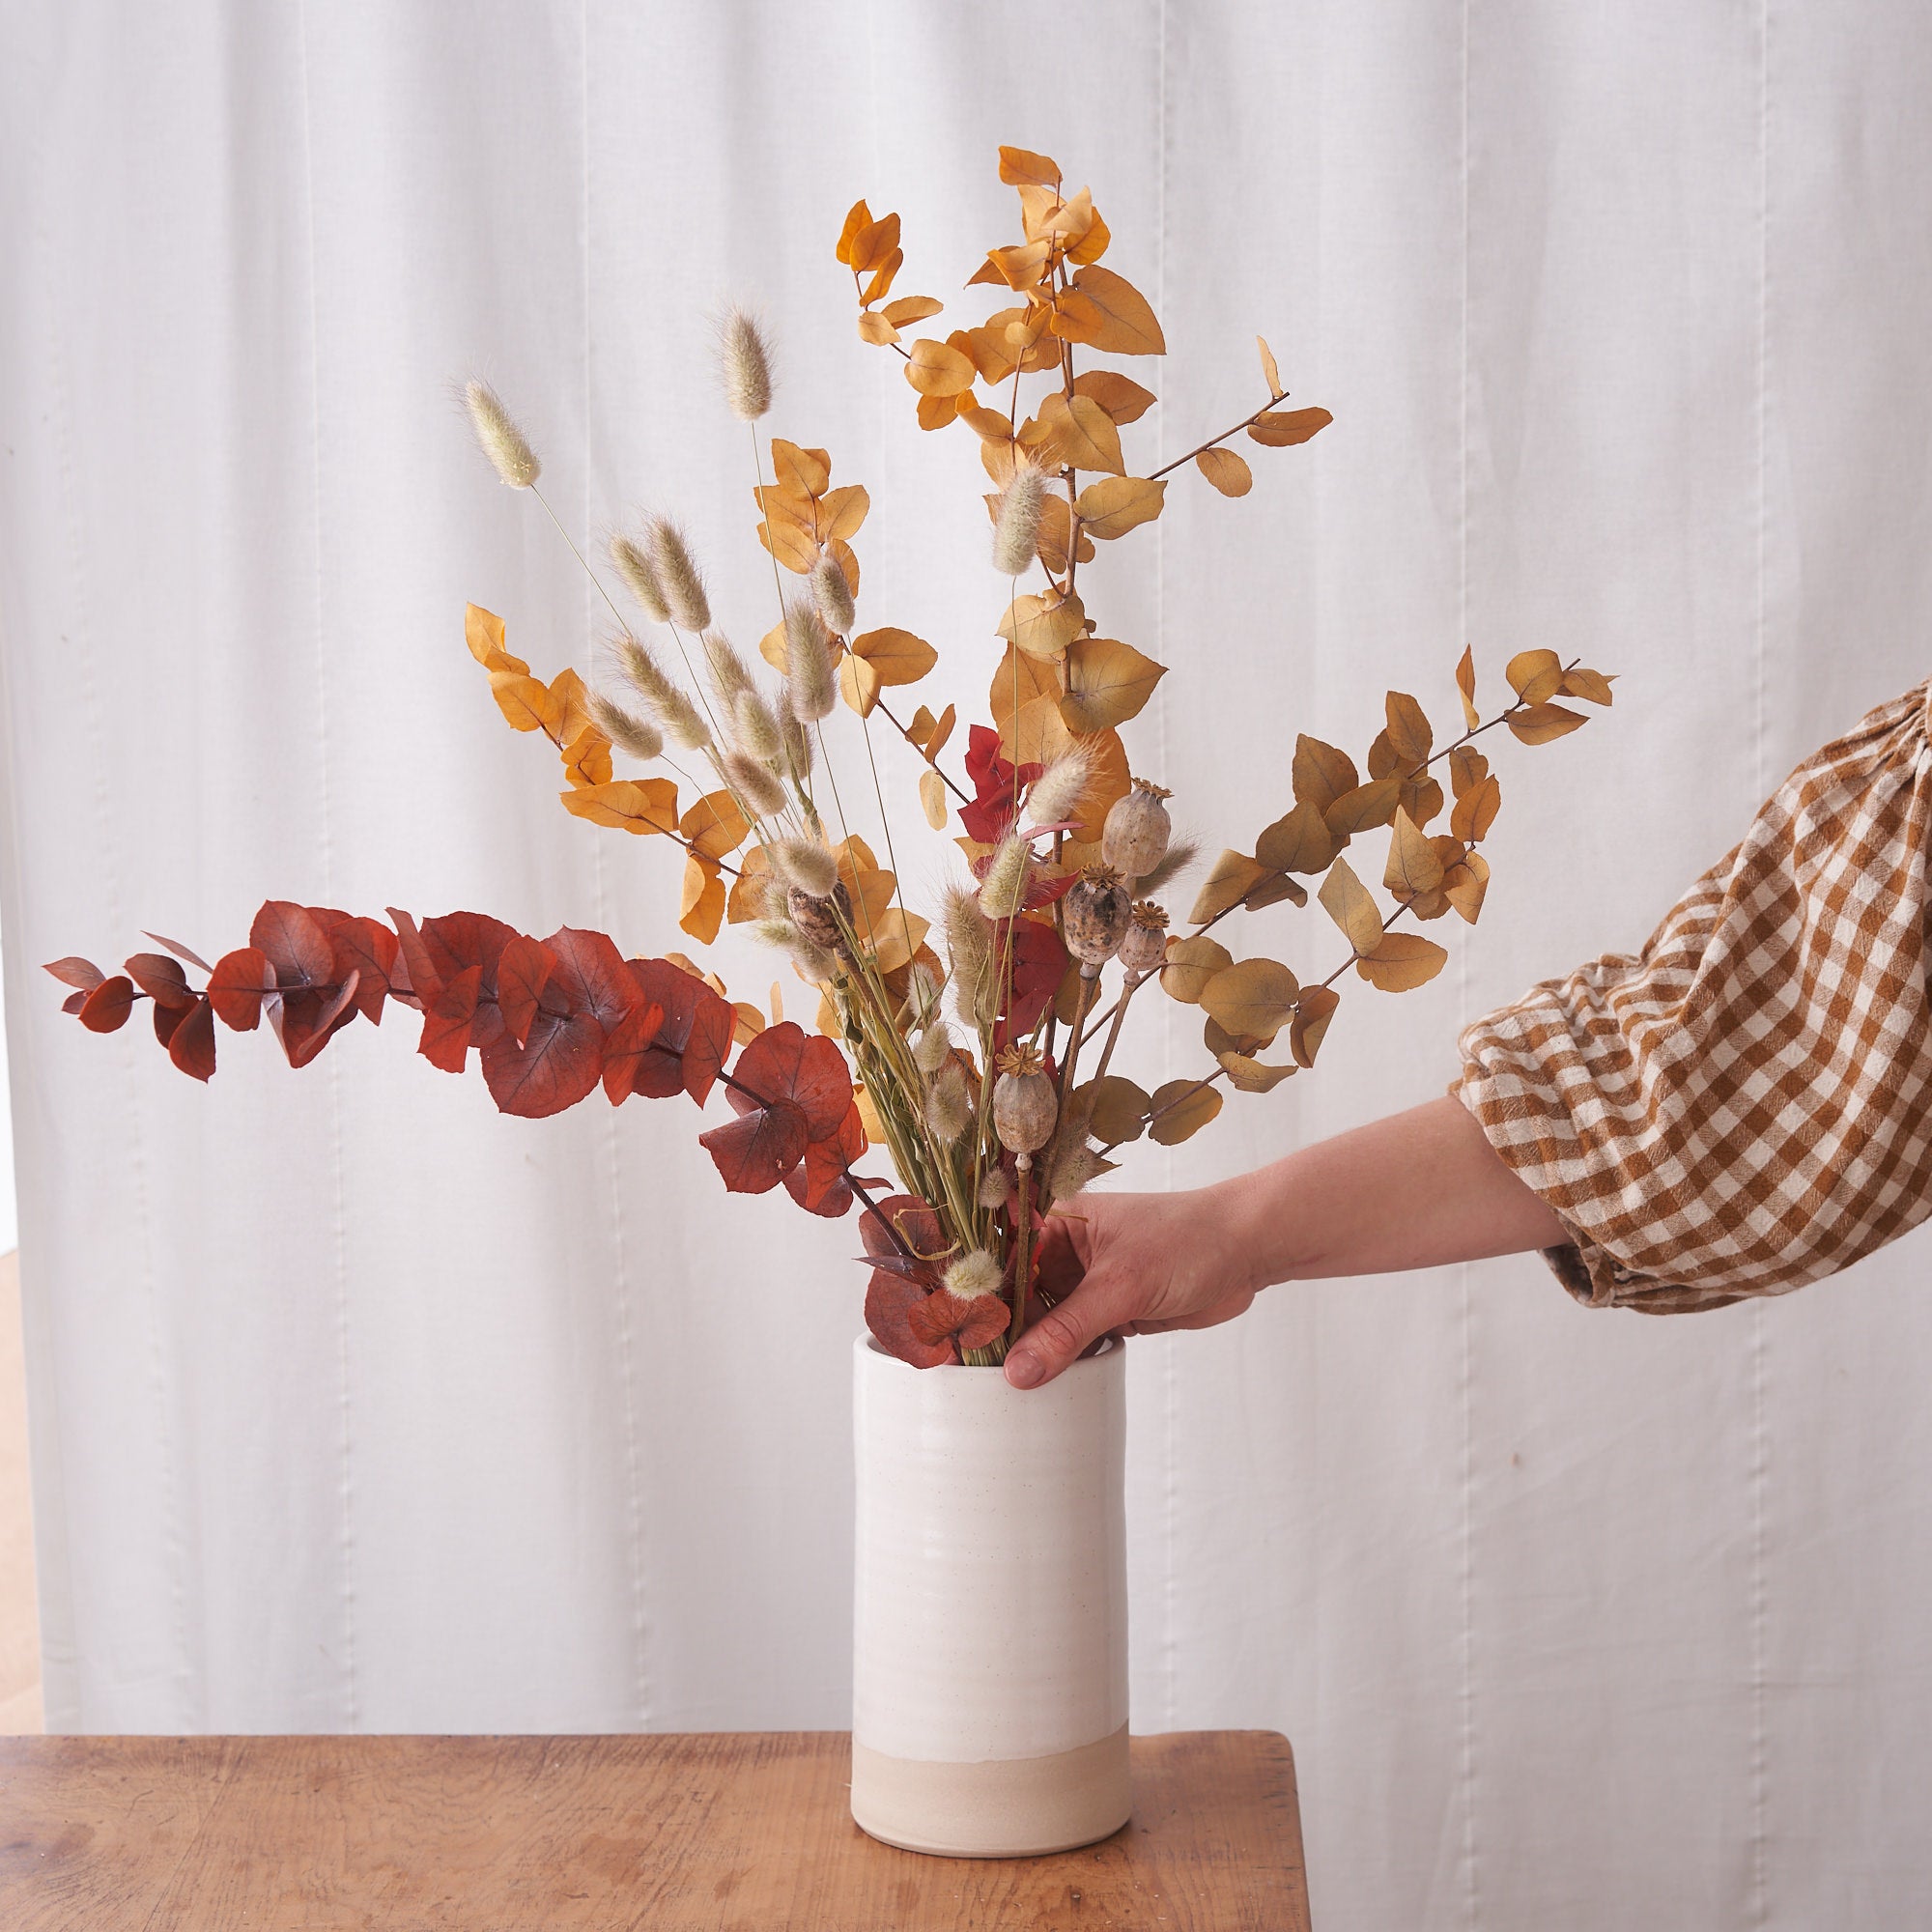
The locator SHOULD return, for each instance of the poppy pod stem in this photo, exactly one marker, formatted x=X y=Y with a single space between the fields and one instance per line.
x=1022 y=1245
x=1090 y=981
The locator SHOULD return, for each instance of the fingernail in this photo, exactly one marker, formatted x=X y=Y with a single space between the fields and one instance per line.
x=1023 y=1369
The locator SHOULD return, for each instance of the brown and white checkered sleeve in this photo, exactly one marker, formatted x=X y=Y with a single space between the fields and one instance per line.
x=1746 y=1105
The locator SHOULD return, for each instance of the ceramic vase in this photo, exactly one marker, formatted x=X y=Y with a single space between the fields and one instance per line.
x=990 y=1710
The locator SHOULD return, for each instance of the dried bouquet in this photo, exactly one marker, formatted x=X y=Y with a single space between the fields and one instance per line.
x=984 y=1065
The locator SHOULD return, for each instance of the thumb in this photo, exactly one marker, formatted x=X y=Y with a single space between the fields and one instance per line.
x=1067 y=1331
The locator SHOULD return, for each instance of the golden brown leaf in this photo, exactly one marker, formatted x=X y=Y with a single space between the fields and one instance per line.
x=1278 y=428
x=1234 y=873
x=1365 y=807
x=842 y=513
x=749 y=1023
x=1535 y=676
x=932 y=798
x=857 y=220
x=1465 y=685
x=930 y=733
x=523 y=702
x=1106 y=312
x=1118 y=1109
x=1542 y=722
x=1023 y=701
x=1191 y=962
x=1347 y=901
x=483 y=633
x=911 y=308
x=1021 y=267
x=700 y=907
x=1321 y=774
x=1465 y=885
x=1081 y=432
x=586 y=758
x=801 y=471
x=894 y=655
x=1253 y=1000
x=936 y=412
x=1476 y=811
x=1590 y=685
x=1092 y=244
x=1124 y=400
x=881 y=282
x=1043 y=624
x=1298 y=842
x=1313 y=1013
x=714 y=826
x=1272 y=888
x=1107 y=683
x=1228 y=473
x=1408 y=734
x=1180 y=1109
x=1116 y=504
x=1055 y=519
x=1402 y=962
x=1414 y=867
x=874 y=329
x=1253 y=1077
x=1466 y=767
x=746 y=898
x=1270 y=372
x=631 y=804
x=936 y=369
x=988 y=424
x=1019 y=165
x=1109 y=781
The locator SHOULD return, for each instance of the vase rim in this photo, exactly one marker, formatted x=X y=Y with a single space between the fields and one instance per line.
x=867 y=1344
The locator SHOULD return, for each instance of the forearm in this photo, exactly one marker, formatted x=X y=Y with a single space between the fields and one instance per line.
x=1414 y=1190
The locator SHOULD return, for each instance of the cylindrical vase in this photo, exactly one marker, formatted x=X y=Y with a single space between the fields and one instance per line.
x=989 y=1705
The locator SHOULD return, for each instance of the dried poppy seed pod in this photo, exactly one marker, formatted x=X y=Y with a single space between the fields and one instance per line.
x=1145 y=947
x=1138 y=828
x=833 y=595
x=1096 y=916
x=974 y=1274
x=818 y=918
x=1024 y=1106
x=504 y=442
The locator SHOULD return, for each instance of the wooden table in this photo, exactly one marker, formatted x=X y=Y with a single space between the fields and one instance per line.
x=746 y=1831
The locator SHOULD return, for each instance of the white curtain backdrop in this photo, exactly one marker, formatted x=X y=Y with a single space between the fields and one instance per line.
x=357 y=1407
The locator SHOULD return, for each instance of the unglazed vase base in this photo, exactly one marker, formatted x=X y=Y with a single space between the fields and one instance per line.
x=1010 y=1808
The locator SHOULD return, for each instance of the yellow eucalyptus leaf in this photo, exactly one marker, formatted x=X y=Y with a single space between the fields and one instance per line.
x=714 y=826
x=932 y=798
x=1124 y=400
x=1320 y=773
x=701 y=904
x=1476 y=811
x=1402 y=962
x=1118 y=1110
x=1279 y=428
x=1311 y=1013
x=1465 y=686
x=1116 y=504
x=1348 y=902
x=1542 y=722
x=1535 y=676
x=1465 y=885
x=1298 y=842
x=1106 y=312
x=1191 y=962
x=1410 y=736
x=1107 y=683
x=1083 y=434
x=631 y=804
x=1365 y=807
x=524 y=703
x=1021 y=165
x=936 y=369
x=911 y=308
x=1590 y=685
x=874 y=329
x=1271 y=374
x=1414 y=867
x=1253 y=1077
x=1227 y=471
x=1180 y=1109
x=1226 y=886
x=1253 y=1000
x=1043 y=623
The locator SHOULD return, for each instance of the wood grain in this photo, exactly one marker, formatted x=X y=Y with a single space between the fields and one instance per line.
x=724 y=1833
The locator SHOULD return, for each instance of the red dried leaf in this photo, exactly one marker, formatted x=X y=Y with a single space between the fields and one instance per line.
x=996 y=787
x=367 y=948
x=921 y=1238
x=626 y=1047
x=819 y=1184
x=235 y=984
x=786 y=1063
x=522 y=972
x=414 y=977
x=307 y=1020
x=105 y=1009
x=192 y=1046
x=447 y=1020
x=969 y=1323
x=756 y=1151
x=586 y=996
x=889 y=1303
x=693 y=1038
x=163 y=979
x=295 y=946
x=74 y=971
x=591 y=972
x=180 y=951
x=1039 y=964
x=73 y=1003
x=167 y=1018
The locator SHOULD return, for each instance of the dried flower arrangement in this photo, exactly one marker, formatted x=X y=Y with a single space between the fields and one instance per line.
x=1012 y=1106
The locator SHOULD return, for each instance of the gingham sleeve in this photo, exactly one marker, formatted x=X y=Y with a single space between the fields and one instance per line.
x=1742 y=1107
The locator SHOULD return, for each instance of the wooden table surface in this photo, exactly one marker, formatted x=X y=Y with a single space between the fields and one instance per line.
x=700 y=1833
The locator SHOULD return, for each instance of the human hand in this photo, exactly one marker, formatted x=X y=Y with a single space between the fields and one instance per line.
x=1132 y=1265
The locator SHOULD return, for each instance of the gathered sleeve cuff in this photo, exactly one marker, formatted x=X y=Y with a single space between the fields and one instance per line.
x=1746 y=1105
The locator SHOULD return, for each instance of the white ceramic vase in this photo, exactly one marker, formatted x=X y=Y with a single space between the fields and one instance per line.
x=989 y=1706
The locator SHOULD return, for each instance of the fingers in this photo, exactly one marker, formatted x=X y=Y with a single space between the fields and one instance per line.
x=1101 y=1302
x=1061 y=1261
